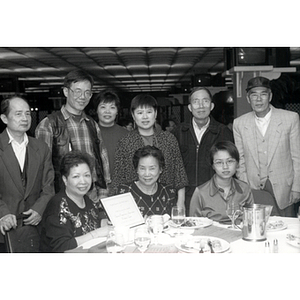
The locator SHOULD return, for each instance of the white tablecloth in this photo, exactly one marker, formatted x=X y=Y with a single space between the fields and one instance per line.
x=293 y=227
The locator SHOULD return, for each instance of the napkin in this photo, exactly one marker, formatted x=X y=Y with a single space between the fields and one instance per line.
x=166 y=218
x=162 y=249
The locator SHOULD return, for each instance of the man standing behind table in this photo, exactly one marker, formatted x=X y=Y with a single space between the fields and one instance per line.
x=196 y=139
x=268 y=140
x=71 y=129
x=26 y=171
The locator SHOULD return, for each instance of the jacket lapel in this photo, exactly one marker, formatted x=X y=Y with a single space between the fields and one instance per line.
x=274 y=133
x=10 y=162
x=250 y=132
x=33 y=165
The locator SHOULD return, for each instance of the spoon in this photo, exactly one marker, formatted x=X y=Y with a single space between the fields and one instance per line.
x=210 y=246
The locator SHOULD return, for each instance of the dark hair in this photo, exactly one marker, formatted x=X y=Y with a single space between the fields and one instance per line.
x=73 y=159
x=148 y=151
x=5 y=103
x=77 y=75
x=198 y=88
x=107 y=96
x=224 y=146
x=125 y=122
x=143 y=100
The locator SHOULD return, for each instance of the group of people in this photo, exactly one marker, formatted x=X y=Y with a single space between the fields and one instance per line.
x=58 y=178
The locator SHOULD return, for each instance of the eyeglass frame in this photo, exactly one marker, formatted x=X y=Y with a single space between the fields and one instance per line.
x=229 y=162
x=263 y=96
x=205 y=102
x=81 y=93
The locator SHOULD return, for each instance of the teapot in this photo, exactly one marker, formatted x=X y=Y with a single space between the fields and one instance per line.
x=255 y=218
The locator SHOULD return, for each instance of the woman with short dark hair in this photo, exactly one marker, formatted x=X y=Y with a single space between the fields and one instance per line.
x=71 y=218
x=151 y=196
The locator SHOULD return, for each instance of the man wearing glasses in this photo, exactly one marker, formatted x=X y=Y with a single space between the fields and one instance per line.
x=71 y=129
x=196 y=137
x=268 y=140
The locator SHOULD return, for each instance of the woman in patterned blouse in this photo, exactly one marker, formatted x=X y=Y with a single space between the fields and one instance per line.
x=151 y=196
x=71 y=218
x=144 y=111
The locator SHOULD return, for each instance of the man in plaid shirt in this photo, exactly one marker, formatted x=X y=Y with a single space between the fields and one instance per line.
x=71 y=129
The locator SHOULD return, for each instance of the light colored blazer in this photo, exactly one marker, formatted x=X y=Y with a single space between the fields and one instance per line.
x=283 y=152
x=40 y=177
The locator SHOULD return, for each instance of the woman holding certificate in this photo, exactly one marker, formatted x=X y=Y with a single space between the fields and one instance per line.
x=151 y=196
x=144 y=111
x=71 y=218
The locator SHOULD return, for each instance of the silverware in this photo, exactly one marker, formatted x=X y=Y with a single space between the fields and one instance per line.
x=209 y=243
x=275 y=246
x=292 y=237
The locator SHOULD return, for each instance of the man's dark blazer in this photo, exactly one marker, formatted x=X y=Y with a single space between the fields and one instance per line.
x=14 y=199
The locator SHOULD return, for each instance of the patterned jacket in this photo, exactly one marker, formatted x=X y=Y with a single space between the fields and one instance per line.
x=173 y=174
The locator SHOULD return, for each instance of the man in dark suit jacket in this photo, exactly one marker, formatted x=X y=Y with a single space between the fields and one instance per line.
x=27 y=175
x=196 y=137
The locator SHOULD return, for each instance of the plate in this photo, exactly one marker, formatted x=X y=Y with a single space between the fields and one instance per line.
x=193 y=223
x=192 y=245
x=293 y=242
x=276 y=226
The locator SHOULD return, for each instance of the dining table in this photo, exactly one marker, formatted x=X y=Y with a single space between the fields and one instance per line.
x=171 y=239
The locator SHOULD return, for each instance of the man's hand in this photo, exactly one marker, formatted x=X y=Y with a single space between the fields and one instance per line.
x=7 y=222
x=34 y=218
x=295 y=197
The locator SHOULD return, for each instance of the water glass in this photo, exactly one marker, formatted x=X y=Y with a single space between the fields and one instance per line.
x=298 y=214
x=142 y=238
x=156 y=225
x=231 y=210
x=178 y=215
x=115 y=242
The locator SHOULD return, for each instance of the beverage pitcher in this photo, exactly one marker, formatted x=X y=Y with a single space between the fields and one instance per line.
x=255 y=218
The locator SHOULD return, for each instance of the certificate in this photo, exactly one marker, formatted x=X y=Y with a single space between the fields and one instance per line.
x=122 y=210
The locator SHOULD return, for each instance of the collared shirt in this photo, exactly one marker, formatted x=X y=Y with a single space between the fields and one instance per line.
x=79 y=140
x=19 y=149
x=263 y=123
x=208 y=199
x=200 y=131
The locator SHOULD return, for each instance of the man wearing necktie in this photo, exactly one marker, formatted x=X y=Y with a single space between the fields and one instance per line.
x=268 y=140
x=26 y=171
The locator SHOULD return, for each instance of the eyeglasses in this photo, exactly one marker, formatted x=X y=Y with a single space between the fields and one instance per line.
x=255 y=96
x=204 y=102
x=228 y=162
x=78 y=93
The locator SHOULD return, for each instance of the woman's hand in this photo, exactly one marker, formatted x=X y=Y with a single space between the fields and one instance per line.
x=100 y=232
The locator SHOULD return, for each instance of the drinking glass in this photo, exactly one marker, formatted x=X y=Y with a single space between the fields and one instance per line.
x=298 y=214
x=156 y=225
x=115 y=242
x=178 y=216
x=142 y=238
x=231 y=210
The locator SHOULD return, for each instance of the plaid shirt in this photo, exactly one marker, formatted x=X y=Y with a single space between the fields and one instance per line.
x=80 y=140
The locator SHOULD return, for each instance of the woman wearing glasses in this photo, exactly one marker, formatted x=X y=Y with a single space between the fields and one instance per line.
x=210 y=199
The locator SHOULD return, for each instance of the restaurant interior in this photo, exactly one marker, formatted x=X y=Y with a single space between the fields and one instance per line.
x=167 y=73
